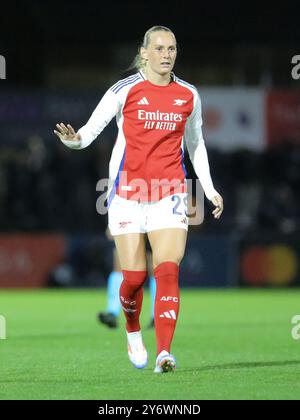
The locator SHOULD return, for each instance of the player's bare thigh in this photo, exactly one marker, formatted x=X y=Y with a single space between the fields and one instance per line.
x=117 y=265
x=131 y=249
x=167 y=245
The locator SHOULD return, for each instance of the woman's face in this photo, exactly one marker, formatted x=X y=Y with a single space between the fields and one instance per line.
x=161 y=52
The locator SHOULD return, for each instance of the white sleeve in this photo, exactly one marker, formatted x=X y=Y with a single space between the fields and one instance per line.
x=100 y=118
x=194 y=141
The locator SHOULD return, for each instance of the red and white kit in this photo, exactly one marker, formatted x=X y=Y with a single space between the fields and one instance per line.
x=146 y=168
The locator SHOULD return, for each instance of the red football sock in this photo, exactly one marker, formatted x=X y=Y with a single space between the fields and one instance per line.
x=166 y=304
x=131 y=297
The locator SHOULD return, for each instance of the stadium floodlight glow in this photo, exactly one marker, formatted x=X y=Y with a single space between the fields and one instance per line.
x=2 y=327
x=2 y=67
x=296 y=69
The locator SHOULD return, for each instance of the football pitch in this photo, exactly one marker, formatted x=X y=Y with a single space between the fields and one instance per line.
x=229 y=344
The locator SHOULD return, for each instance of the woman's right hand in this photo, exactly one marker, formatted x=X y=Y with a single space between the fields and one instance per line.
x=68 y=136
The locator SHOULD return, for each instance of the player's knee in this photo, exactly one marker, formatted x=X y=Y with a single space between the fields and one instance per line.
x=159 y=259
x=132 y=265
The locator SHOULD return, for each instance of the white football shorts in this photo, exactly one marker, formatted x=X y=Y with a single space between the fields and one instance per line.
x=131 y=216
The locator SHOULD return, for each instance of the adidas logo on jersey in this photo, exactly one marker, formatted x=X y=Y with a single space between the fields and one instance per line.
x=169 y=314
x=143 y=101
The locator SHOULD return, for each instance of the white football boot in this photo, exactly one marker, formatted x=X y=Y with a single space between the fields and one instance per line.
x=165 y=362
x=136 y=350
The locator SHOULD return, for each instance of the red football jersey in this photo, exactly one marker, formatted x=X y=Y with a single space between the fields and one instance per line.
x=153 y=124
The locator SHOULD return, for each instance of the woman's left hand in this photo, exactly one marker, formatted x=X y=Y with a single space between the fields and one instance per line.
x=217 y=201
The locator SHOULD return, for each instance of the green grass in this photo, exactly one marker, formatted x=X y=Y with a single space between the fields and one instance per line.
x=230 y=344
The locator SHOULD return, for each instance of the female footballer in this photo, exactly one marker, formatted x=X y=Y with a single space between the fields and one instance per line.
x=156 y=112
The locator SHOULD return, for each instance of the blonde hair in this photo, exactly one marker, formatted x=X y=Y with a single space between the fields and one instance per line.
x=139 y=63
